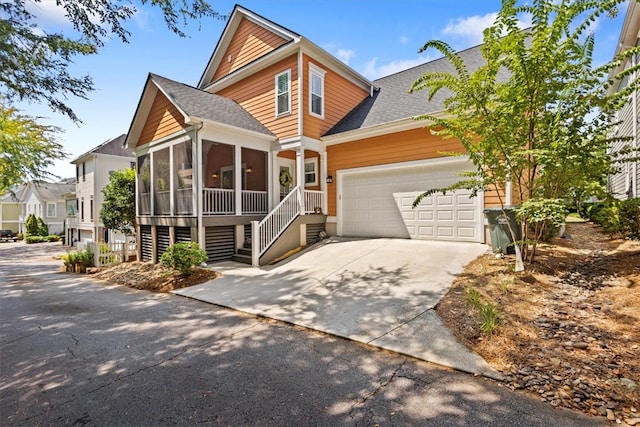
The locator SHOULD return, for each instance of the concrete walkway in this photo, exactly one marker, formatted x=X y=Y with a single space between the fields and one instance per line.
x=380 y=292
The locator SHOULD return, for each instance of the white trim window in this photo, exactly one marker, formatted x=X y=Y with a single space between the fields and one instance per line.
x=311 y=172
x=316 y=91
x=51 y=210
x=283 y=93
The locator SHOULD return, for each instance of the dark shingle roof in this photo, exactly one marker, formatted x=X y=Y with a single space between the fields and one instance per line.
x=201 y=104
x=113 y=146
x=52 y=190
x=394 y=102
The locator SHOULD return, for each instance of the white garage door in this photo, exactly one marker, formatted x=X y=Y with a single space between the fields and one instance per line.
x=378 y=204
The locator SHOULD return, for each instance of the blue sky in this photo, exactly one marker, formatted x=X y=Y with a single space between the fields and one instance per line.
x=374 y=37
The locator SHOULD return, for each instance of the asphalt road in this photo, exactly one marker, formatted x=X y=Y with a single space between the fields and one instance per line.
x=76 y=351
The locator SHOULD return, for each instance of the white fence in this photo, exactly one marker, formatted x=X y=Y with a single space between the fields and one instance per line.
x=112 y=253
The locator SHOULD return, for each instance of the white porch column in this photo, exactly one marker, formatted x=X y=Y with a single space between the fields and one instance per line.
x=323 y=182
x=198 y=185
x=300 y=176
x=237 y=185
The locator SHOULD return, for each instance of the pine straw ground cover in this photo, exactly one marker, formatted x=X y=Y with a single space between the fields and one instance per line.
x=569 y=326
x=154 y=277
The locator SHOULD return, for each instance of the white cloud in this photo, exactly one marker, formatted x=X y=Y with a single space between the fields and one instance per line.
x=345 y=55
x=374 y=71
x=47 y=12
x=469 y=30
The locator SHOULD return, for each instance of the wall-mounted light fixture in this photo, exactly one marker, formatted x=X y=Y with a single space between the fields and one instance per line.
x=329 y=179
x=249 y=169
x=214 y=175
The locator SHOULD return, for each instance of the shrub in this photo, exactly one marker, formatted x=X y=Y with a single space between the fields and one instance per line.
x=31 y=226
x=183 y=257
x=606 y=215
x=43 y=228
x=35 y=239
x=53 y=238
x=629 y=218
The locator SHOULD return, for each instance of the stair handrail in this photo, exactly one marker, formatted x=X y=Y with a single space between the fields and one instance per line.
x=265 y=232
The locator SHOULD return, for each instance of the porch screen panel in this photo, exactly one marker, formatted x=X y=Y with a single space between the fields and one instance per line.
x=161 y=182
x=183 y=178
x=219 y=183
x=254 y=181
x=144 y=185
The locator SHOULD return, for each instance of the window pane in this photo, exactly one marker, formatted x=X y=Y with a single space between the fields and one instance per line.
x=283 y=83
x=316 y=104
x=316 y=85
x=283 y=103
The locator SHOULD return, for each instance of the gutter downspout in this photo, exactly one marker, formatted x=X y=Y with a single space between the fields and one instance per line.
x=198 y=178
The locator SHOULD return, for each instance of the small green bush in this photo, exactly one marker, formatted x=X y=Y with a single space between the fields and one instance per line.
x=489 y=313
x=53 y=238
x=43 y=228
x=629 y=218
x=606 y=215
x=183 y=257
x=35 y=239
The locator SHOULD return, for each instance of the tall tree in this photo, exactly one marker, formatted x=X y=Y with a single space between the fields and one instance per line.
x=35 y=65
x=537 y=113
x=27 y=148
x=118 y=211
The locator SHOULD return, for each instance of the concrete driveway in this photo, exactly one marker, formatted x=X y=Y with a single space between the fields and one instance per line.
x=380 y=292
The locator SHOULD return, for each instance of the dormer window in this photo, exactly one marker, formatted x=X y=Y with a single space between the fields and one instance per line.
x=316 y=92
x=283 y=93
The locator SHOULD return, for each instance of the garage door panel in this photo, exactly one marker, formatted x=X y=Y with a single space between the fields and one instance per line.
x=379 y=204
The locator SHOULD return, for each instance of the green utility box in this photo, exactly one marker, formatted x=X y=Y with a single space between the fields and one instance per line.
x=499 y=229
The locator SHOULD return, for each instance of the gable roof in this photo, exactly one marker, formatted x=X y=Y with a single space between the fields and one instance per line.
x=113 y=147
x=237 y=14
x=51 y=190
x=193 y=104
x=392 y=101
x=196 y=103
x=13 y=195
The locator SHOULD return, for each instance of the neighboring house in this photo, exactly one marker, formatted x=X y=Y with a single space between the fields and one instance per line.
x=10 y=209
x=47 y=201
x=626 y=183
x=92 y=175
x=279 y=130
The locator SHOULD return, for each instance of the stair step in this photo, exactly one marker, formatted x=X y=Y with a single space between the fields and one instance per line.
x=245 y=259
x=244 y=251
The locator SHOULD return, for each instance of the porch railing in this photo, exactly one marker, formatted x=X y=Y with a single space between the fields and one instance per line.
x=218 y=201
x=254 y=202
x=313 y=200
x=265 y=232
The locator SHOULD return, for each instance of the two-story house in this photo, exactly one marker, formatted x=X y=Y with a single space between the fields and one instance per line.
x=280 y=139
x=47 y=201
x=10 y=209
x=93 y=169
x=626 y=183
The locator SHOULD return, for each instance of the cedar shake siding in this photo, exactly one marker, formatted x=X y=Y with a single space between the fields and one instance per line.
x=411 y=145
x=250 y=42
x=340 y=97
x=163 y=119
x=257 y=96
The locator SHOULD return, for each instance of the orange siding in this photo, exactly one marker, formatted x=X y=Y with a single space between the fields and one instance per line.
x=411 y=145
x=249 y=42
x=163 y=119
x=257 y=96
x=340 y=97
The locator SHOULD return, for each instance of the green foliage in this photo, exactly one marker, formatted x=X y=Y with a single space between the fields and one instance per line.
x=544 y=217
x=183 y=257
x=31 y=226
x=35 y=239
x=35 y=63
x=629 y=217
x=537 y=113
x=28 y=148
x=606 y=215
x=118 y=211
x=43 y=228
x=53 y=238
x=78 y=261
x=489 y=313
